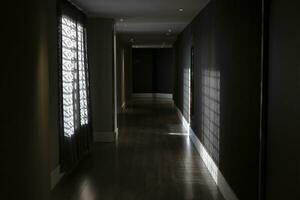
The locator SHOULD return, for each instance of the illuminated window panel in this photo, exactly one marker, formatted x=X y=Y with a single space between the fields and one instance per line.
x=82 y=77
x=74 y=76
x=69 y=56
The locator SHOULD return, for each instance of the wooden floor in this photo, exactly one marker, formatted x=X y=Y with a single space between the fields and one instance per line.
x=153 y=159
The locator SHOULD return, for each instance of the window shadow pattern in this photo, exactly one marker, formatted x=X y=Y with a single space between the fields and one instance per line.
x=186 y=94
x=211 y=112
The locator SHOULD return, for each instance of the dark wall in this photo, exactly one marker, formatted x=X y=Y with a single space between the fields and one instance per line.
x=24 y=85
x=101 y=60
x=53 y=88
x=164 y=70
x=142 y=71
x=153 y=70
x=128 y=73
x=123 y=72
x=119 y=51
x=283 y=160
x=226 y=37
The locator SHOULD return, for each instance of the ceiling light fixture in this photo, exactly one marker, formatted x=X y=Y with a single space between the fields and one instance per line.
x=180 y=9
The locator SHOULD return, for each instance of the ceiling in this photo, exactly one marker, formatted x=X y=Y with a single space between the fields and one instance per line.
x=148 y=22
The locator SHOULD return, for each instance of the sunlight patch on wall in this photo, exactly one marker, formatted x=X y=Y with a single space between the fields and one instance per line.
x=186 y=94
x=211 y=112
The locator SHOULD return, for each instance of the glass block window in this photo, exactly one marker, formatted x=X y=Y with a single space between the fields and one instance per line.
x=74 y=75
x=82 y=67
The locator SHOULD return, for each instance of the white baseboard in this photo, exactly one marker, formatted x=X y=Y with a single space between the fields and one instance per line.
x=153 y=95
x=106 y=136
x=55 y=177
x=218 y=177
x=213 y=169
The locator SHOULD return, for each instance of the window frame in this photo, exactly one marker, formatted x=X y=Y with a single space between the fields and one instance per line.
x=73 y=148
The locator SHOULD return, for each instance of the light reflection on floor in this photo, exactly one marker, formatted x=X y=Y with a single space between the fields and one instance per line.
x=152 y=159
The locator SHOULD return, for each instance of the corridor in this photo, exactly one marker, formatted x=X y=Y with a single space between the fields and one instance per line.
x=153 y=159
x=150 y=100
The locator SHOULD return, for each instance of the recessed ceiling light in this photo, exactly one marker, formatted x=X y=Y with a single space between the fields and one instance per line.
x=180 y=9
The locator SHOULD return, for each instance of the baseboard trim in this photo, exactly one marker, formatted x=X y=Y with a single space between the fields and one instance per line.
x=55 y=177
x=106 y=136
x=153 y=95
x=213 y=169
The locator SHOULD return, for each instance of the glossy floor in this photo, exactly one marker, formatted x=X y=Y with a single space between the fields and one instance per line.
x=153 y=159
